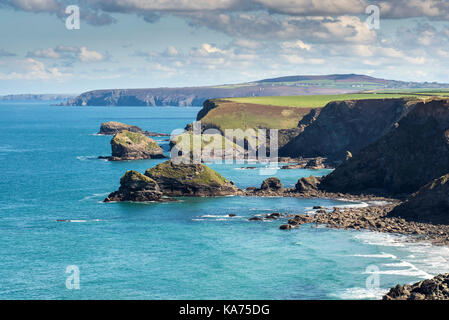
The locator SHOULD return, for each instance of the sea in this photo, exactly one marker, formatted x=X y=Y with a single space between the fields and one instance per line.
x=59 y=240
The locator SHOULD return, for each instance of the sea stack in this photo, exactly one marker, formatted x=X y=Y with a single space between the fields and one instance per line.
x=190 y=180
x=172 y=180
x=127 y=145
x=113 y=127
x=134 y=186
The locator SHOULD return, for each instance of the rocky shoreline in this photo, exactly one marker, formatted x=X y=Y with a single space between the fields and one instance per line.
x=436 y=288
x=373 y=218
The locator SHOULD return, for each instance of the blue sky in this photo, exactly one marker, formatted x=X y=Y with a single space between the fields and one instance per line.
x=137 y=43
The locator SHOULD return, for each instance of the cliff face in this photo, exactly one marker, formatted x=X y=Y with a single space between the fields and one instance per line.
x=346 y=126
x=429 y=204
x=410 y=155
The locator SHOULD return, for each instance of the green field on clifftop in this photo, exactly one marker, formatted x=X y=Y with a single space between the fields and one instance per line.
x=316 y=101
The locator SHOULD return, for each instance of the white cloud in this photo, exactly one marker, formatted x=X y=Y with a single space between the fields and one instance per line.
x=296 y=45
x=31 y=69
x=90 y=56
x=68 y=53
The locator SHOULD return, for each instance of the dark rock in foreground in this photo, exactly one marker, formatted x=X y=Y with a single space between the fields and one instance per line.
x=127 y=145
x=134 y=186
x=433 y=289
x=429 y=204
x=375 y=218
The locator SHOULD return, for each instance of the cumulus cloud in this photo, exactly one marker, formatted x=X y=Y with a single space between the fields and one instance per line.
x=68 y=53
x=31 y=69
x=296 y=45
x=98 y=12
x=90 y=55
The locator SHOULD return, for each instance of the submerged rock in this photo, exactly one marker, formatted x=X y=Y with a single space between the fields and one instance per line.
x=433 y=289
x=127 y=145
x=134 y=186
x=190 y=180
x=113 y=127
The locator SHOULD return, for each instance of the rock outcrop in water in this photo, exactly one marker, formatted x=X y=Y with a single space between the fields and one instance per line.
x=413 y=153
x=113 y=127
x=270 y=187
x=127 y=145
x=190 y=180
x=436 y=288
x=429 y=204
x=172 y=180
x=134 y=186
x=346 y=126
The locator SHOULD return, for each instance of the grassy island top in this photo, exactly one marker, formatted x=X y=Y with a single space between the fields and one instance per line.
x=126 y=138
x=190 y=173
x=133 y=176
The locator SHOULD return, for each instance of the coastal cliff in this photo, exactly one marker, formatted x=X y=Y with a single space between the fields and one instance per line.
x=283 y=86
x=413 y=153
x=346 y=126
x=429 y=204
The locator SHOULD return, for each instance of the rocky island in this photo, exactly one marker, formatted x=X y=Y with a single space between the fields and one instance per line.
x=172 y=180
x=114 y=127
x=134 y=186
x=127 y=145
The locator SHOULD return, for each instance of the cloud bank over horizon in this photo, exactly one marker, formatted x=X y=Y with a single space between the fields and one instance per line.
x=137 y=43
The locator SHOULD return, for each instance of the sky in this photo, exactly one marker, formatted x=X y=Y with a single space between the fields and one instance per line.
x=177 y=43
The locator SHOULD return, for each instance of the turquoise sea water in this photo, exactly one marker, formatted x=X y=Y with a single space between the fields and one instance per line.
x=183 y=250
